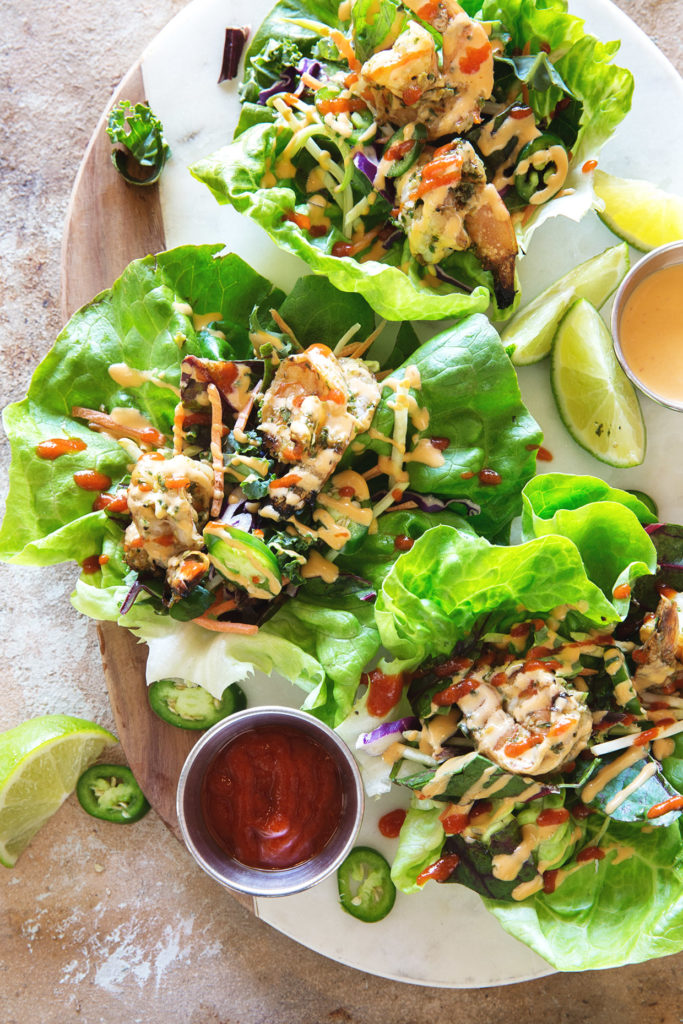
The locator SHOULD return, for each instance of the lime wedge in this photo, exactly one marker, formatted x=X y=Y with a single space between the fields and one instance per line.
x=636 y=211
x=40 y=762
x=531 y=330
x=596 y=400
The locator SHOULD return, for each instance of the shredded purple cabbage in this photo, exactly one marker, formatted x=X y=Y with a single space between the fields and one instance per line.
x=235 y=39
x=307 y=66
x=443 y=276
x=132 y=595
x=394 y=237
x=236 y=515
x=430 y=502
x=285 y=83
x=384 y=735
x=369 y=168
x=366 y=166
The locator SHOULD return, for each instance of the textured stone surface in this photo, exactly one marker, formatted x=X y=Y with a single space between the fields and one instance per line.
x=99 y=924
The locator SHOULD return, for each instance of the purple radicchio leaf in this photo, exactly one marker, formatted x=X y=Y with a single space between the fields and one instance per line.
x=235 y=39
x=668 y=541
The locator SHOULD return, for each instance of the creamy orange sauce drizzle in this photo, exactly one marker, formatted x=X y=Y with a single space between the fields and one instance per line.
x=651 y=332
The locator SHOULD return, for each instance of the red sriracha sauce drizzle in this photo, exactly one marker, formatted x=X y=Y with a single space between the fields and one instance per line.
x=272 y=797
x=489 y=477
x=442 y=869
x=542 y=454
x=384 y=691
x=674 y=803
x=91 y=480
x=56 y=446
x=390 y=824
x=91 y=564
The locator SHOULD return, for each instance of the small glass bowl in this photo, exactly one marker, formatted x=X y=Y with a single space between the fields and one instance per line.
x=658 y=259
x=219 y=864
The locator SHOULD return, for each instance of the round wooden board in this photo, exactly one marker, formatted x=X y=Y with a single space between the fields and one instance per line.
x=108 y=224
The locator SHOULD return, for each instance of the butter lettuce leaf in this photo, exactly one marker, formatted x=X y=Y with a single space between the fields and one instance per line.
x=422 y=837
x=470 y=388
x=604 y=522
x=236 y=174
x=578 y=66
x=139 y=321
x=621 y=910
x=451 y=585
x=584 y=63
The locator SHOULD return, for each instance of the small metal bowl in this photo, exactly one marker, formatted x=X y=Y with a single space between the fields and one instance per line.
x=214 y=860
x=665 y=256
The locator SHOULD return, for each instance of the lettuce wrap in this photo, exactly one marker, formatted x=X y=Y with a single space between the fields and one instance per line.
x=581 y=861
x=309 y=158
x=201 y=305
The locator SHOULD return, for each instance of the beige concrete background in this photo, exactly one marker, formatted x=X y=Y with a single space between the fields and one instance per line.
x=100 y=923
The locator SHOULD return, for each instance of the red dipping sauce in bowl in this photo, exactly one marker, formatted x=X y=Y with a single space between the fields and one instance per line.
x=270 y=801
x=272 y=797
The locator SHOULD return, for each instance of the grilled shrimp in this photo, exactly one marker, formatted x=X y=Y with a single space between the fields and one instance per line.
x=406 y=83
x=314 y=407
x=662 y=650
x=446 y=206
x=529 y=721
x=169 y=501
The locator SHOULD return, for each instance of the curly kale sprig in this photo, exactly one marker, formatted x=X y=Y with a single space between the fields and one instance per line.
x=141 y=134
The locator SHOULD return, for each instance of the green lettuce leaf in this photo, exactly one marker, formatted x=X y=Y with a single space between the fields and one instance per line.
x=579 y=63
x=611 y=912
x=450 y=584
x=378 y=552
x=584 y=64
x=235 y=174
x=604 y=522
x=320 y=641
x=419 y=845
x=654 y=791
x=138 y=321
x=464 y=775
x=470 y=388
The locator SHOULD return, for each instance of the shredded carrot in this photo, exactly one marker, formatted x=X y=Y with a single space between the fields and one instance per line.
x=285 y=328
x=226 y=627
x=527 y=214
x=220 y=608
x=346 y=49
x=98 y=420
x=361 y=348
